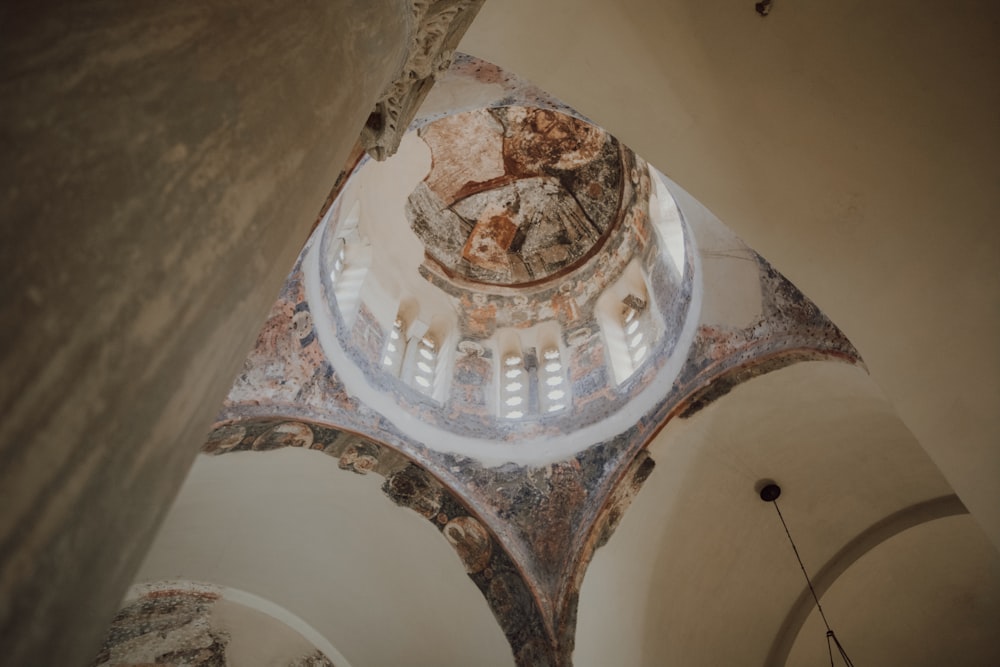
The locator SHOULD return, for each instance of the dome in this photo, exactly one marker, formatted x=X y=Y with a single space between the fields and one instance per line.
x=526 y=280
x=515 y=195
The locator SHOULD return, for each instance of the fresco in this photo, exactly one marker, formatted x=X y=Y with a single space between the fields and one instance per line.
x=408 y=485
x=568 y=301
x=524 y=532
x=540 y=193
x=183 y=624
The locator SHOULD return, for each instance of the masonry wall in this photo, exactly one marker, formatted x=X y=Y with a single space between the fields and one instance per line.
x=163 y=165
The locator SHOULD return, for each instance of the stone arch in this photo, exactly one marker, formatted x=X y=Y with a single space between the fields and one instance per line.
x=408 y=484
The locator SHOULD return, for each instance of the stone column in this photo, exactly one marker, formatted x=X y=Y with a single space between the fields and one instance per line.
x=163 y=163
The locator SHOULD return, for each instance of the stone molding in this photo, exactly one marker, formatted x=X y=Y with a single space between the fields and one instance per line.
x=438 y=26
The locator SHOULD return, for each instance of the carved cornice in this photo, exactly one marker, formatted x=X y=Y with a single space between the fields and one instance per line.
x=438 y=25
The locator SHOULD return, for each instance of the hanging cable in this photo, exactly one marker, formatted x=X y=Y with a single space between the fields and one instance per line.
x=769 y=493
x=843 y=654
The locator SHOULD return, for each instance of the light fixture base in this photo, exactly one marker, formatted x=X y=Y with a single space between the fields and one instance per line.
x=770 y=492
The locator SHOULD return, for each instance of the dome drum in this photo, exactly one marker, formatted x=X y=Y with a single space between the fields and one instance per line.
x=444 y=365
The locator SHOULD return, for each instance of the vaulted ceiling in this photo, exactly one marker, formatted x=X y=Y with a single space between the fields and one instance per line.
x=761 y=385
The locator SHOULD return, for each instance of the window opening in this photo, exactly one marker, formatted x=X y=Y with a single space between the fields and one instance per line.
x=553 y=389
x=348 y=260
x=667 y=222
x=395 y=348
x=513 y=387
x=635 y=322
x=339 y=260
x=426 y=364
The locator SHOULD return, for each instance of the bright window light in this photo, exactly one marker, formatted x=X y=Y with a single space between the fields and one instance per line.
x=552 y=377
x=513 y=388
x=394 y=348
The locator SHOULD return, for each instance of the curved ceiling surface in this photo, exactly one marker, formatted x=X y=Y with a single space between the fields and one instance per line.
x=483 y=284
x=515 y=195
x=525 y=496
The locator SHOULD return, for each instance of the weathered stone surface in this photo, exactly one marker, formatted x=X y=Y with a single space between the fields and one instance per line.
x=163 y=165
x=437 y=27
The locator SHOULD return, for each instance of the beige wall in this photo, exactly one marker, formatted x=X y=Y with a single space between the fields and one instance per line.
x=852 y=144
x=379 y=582
x=700 y=571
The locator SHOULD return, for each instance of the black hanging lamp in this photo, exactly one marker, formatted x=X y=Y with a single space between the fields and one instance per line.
x=769 y=493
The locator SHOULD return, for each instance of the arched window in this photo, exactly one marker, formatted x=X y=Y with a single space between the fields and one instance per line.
x=513 y=386
x=628 y=322
x=339 y=259
x=425 y=364
x=666 y=218
x=417 y=353
x=348 y=258
x=553 y=390
x=636 y=325
x=395 y=348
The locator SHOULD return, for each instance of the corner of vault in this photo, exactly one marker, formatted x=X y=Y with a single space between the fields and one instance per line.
x=386 y=349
